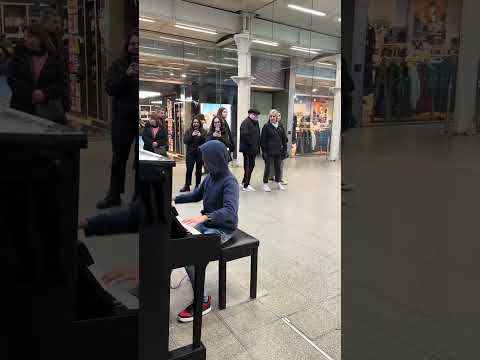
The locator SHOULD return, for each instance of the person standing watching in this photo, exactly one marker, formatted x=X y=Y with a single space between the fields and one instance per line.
x=155 y=134
x=273 y=142
x=284 y=153
x=219 y=132
x=36 y=76
x=193 y=138
x=53 y=23
x=249 y=146
x=222 y=114
x=122 y=85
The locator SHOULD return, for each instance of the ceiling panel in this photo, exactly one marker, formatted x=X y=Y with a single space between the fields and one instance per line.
x=234 y=5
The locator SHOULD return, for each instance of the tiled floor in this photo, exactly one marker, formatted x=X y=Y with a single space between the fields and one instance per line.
x=299 y=265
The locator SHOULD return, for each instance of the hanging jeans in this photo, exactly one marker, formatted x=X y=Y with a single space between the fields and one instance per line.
x=248 y=166
x=205 y=230
x=272 y=162
x=194 y=159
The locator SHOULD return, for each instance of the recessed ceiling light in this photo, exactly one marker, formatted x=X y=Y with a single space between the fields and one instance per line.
x=172 y=74
x=184 y=75
x=306 y=50
x=314 y=90
x=196 y=28
x=265 y=42
x=144 y=19
x=178 y=40
x=148 y=94
x=339 y=19
x=306 y=10
x=325 y=64
x=190 y=53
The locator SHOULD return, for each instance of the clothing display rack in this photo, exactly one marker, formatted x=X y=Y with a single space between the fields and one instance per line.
x=412 y=89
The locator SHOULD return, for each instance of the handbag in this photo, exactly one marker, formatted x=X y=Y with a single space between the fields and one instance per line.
x=51 y=110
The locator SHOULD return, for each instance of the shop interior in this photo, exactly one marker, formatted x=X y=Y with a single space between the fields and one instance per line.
x=411 y=59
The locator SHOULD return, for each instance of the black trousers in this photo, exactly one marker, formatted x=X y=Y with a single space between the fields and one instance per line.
x=272 y=162
x=248 y=166
x=121 y=145
x=194 y=159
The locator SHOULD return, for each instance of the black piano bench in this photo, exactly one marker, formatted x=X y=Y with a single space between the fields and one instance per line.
x=239 y=246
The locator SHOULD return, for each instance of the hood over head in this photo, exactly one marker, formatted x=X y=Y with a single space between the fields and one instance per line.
x=215 y=155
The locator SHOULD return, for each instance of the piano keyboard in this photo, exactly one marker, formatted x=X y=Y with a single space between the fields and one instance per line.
x=119 y=294
x=189 y=228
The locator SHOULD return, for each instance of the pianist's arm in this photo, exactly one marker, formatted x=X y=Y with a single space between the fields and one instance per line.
x=118 y=221
x=194 y=196
x=226 y=216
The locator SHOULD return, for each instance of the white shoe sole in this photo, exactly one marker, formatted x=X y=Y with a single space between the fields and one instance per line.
x=190 y=319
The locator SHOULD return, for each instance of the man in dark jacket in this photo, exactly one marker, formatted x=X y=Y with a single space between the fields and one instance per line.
x=122 y=86
x=273 y=142
x=220 y=194
x=193 y=138
x=53 y=24
x=249 y=146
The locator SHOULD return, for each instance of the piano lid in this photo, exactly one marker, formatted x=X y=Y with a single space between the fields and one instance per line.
x=18 y=127
x=148 y=157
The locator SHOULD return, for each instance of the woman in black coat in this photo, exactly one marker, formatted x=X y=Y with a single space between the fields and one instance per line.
x=122 y=86
x=154 y=136
x=193 y=138
x=219 y=132
x=222 y=114
x=273 y=142
x=36 y=76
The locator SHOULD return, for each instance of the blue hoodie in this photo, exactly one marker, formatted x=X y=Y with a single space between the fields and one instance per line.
x=219 y=191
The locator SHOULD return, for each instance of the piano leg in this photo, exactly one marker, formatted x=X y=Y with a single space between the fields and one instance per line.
x=197 y=301
x=222 y=284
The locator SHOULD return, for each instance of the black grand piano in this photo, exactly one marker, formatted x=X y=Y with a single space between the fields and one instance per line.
x=165 y=244
x=55 y=308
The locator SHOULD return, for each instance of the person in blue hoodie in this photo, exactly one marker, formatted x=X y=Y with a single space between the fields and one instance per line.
x=220 y=194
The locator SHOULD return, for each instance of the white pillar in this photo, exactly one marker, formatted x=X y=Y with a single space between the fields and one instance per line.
x=243 y=81
x=291 y=102
x=337 y=113
x=468 y=60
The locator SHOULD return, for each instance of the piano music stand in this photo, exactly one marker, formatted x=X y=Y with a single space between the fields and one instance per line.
x=159 y=254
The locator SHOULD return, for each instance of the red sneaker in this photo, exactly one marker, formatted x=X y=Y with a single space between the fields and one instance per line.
x=186 y=315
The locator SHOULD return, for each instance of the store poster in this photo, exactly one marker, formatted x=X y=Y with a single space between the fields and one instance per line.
x=210 y=111
x=430 y=22
x=15 y=20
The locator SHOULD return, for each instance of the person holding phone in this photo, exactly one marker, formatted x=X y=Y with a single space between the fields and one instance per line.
x=193 y=138
x=219 y=132
x=122 y=86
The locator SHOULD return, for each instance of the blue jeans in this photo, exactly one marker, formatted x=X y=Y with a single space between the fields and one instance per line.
x=224 y=237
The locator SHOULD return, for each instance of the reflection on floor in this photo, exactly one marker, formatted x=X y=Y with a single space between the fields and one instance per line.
x=299 y=265
x=410 y=244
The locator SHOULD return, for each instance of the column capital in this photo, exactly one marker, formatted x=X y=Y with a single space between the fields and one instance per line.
x=243 y=42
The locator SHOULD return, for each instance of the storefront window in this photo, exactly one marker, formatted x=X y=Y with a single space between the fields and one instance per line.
x=313 y=109
x=185 y=78
x=411 y=60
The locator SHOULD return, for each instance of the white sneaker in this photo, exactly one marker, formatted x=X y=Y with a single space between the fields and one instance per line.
x=244 y=188
x=250 y=188
x=284 y=182
x=280 y=186
x=266 y=188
